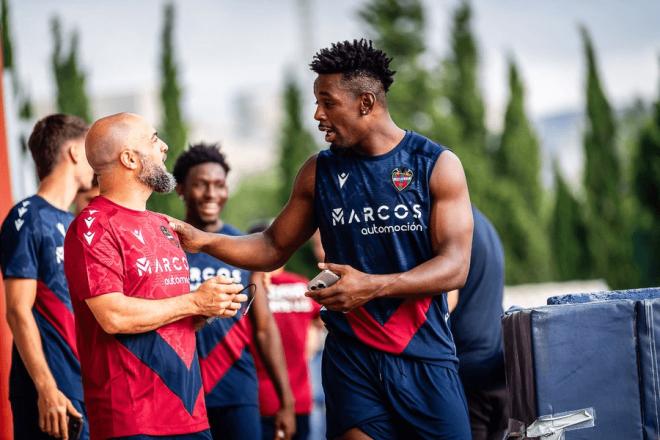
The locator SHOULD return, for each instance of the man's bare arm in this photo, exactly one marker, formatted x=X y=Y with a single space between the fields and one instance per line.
x=270 y=249
x=118 y=313
x=450 y=226
x=52 y=403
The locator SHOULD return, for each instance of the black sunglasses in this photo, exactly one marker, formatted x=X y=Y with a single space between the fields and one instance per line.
x=251 y=294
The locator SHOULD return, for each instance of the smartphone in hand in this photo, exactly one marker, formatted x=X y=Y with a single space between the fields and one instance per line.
x=324 y=279
x=75 y=427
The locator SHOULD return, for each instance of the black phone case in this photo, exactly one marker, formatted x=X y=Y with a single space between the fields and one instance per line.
x=75 y=428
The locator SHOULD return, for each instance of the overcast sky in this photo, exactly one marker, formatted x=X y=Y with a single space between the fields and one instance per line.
x=225 y=46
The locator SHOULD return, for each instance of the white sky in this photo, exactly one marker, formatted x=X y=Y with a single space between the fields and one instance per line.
x=228 y=46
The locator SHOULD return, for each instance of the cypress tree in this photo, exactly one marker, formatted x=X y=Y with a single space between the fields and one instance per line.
x=69 y=76
x=172 y=127
x=415 y=99
x=296 y=146
x=524 y=238
x=460 y=84
x=517 y=217
x=296 y=143
x=22 y=97
x=568 y=233
x=397 y=28
x=7 y=50
x=609 y=237
x=646 y=178
x=518 y=156
x=463 y=83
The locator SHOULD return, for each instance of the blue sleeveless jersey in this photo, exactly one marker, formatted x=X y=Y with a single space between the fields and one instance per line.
x=373 y=214
x=228 y=372
x=32 y=247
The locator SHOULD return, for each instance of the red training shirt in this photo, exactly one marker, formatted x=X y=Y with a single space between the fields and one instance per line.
x=147 y=383
x=294 y=313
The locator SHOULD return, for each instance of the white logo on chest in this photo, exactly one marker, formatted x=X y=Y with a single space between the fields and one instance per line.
x=164 y=264
x=138 y=234
x=342 y=179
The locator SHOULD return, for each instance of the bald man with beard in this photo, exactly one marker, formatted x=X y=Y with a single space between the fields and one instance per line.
x=135 y=314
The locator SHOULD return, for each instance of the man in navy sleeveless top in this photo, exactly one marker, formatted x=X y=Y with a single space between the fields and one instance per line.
x=476 y=312
x=229 y=374
x=45 y=386
x=394 y=214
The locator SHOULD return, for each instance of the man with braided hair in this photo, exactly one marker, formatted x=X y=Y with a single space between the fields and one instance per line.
x=394 y=214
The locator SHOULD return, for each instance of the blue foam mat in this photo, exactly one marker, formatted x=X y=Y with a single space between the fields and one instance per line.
x=648 y=336
x=632 y=294
x=585 y=355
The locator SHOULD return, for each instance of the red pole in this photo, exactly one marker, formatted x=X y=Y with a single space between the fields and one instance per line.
x=6 y=427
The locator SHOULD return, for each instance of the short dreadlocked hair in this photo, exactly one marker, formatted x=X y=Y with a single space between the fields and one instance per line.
x=195 y=155
x=364 y=66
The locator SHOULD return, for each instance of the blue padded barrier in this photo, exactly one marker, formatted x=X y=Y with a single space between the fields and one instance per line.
x=585 y=355
x=648 y=335
x=633 y=294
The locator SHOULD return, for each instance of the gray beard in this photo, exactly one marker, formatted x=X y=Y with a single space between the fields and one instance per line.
x=156 y=177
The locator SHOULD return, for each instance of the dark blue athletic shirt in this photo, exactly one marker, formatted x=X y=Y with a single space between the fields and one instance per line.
x=228 y=372
x=373 y=213
x=32 y=247
x=475 y=323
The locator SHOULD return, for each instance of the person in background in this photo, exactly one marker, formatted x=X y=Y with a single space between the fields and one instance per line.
x=476 y=312
x=297 y=317
x=228 y=371
x=45 y=386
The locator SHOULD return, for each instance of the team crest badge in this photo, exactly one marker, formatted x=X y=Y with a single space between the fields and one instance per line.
x=166 y=232
x=401 y=178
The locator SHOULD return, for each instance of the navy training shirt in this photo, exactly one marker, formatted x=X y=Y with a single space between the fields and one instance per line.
x=228 y=372
x=32 y=247
x=475 y=322
x=373 y=213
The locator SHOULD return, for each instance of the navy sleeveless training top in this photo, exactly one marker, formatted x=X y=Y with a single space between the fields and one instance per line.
x=373 y=213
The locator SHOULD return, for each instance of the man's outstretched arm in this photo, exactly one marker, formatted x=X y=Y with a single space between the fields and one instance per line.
x=450 y=227
x=267 y=250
